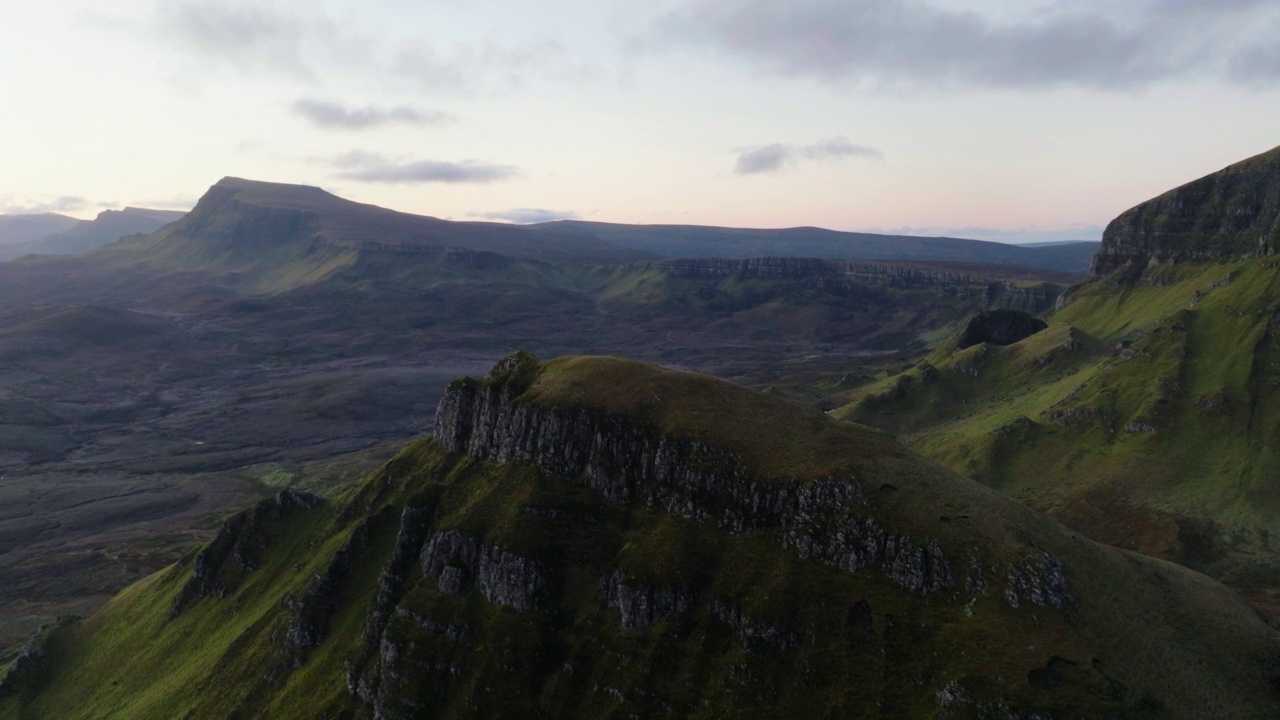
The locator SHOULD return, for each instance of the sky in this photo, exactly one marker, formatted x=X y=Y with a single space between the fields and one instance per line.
x=1015 y=120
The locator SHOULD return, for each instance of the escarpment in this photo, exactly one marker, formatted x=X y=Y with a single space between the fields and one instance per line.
x=1228 y=215
x=828 y=518
x=985 y=284
x=592 y=537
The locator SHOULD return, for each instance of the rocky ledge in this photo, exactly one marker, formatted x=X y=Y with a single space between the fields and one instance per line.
x=1228 y=215
x=828 y=519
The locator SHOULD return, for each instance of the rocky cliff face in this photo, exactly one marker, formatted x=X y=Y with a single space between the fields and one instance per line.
x=572 y=545
x=1231 y=214
x=843 y=276
x=768 y=268
x=238 y=549
x=826 y=518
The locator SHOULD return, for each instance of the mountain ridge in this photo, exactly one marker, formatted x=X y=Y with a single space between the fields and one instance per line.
x=24 y=228
x=608 y=537
x=693 y=241
x=321 y=216
x=108 y=227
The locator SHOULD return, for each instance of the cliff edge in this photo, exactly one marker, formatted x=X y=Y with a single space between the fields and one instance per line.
x=1228 y=215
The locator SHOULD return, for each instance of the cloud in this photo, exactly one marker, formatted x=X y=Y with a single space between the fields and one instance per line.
x=527 y=216
x=915 y=44
x=65 y=203
x=838 y=148
x=1256 y=66
x=243 y=35
x=332 y=115
x=375 y=168
x=776 y=156
x=769 y=158
x=309 y=42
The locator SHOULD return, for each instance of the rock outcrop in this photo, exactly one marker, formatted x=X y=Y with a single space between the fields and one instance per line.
x=1000 y=327
x=238 y=548
x=310 y=614
x=985 y=284
x=827 y=519
x=640 y=606
x=1231 y=214
x=459 y=564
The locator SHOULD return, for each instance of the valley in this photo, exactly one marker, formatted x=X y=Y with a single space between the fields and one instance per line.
x=152 y=386
x=213 y=417
x=702 y=359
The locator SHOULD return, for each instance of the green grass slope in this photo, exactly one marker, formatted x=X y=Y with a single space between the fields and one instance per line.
x=1146 y=416
x=447 y=586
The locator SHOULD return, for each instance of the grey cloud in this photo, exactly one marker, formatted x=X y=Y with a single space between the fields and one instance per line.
x=1256 y=66
x=249 y=35
x=1195 y=7
x=769 y=158
x=777 y=156
x=838 y=148
x=256 y=36
x=527 y=216
x=374 y=168
x=242 y=34
x=65 y=203
x=332 y=115
x=900 y=43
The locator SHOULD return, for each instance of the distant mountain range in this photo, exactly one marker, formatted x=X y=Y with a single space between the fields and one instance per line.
x=691 y=241
x=15 y=229
x=315 y=215
x=76 y=235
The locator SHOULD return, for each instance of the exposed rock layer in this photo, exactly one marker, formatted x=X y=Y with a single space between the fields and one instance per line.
x=827 y=519
x=1231 y=214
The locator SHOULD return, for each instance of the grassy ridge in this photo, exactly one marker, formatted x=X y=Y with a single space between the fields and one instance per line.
x=761 y=632
x=1145 y=416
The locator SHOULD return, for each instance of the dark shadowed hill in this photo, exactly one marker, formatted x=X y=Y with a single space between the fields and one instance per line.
x=237 y=216
x=692 y=241
x=593 y=537
x=246 y=236
x=25 y=228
